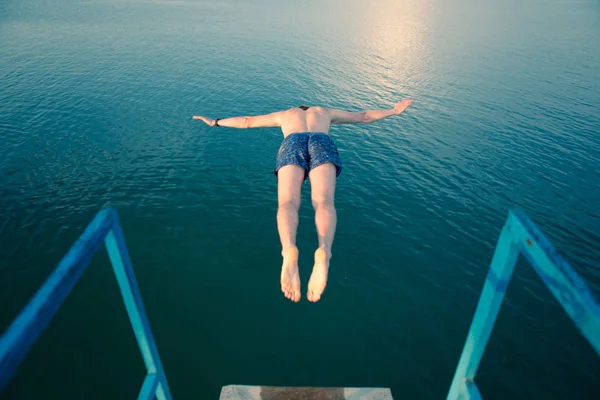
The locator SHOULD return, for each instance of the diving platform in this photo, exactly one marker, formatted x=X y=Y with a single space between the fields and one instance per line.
x=239 y=392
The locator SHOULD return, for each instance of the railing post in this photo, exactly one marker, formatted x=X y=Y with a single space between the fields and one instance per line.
x=29 y=324
x=501 y=269
x=520 y=235
x=119 y=257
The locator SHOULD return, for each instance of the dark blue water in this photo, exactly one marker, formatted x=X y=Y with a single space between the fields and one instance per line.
x=95 y=106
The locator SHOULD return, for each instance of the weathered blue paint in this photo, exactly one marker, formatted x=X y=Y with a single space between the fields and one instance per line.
x=499 y=285
x=520 y=235
x=27 y=327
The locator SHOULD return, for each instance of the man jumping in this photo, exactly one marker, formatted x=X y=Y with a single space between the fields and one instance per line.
x=307 y=150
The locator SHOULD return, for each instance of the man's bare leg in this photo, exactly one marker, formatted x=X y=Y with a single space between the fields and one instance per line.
x=289 y=184
x=322 y=186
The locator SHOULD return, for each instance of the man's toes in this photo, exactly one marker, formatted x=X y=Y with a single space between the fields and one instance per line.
x=313 y=296
x=292 y=295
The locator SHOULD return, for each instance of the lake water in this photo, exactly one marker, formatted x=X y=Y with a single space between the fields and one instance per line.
x=96 y=99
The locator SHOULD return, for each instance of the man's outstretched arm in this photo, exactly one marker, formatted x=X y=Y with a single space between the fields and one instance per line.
x=365 y=117
x=259 y=121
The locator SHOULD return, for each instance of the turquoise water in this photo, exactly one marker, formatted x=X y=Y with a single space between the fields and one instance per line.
x=95 y=106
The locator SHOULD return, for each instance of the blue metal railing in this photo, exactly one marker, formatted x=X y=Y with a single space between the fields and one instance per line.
x=521 y=236
x=27 y=327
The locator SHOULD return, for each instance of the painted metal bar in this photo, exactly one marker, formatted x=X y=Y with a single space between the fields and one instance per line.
x=149 y=386
x=119 y=256
x=520 y=235
x=27 y=327
x=472 y=390
x=33 y=319
x=491 y=298
x=570 y=290
x=160 y=392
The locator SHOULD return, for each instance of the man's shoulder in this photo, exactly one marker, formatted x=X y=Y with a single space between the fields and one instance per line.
x=324 y=112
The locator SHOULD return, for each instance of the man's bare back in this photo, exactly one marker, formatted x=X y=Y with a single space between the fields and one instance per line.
x=315 y=119
x=306 y=151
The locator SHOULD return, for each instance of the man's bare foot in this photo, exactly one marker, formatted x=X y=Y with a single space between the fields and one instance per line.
x=318 y=278
x=290 y=279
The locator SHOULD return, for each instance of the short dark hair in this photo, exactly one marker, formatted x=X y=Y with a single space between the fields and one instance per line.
x=303 y=107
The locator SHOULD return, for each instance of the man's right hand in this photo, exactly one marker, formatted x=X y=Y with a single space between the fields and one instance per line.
x=402 y=105
x=207 y=121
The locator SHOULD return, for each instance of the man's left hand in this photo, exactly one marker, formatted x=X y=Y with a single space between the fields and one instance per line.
x=207 y=121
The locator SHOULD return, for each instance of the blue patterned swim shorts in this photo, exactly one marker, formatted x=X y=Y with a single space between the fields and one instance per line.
x=308 y=150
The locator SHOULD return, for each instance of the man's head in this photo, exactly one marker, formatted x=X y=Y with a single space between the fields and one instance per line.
x=303 y=107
